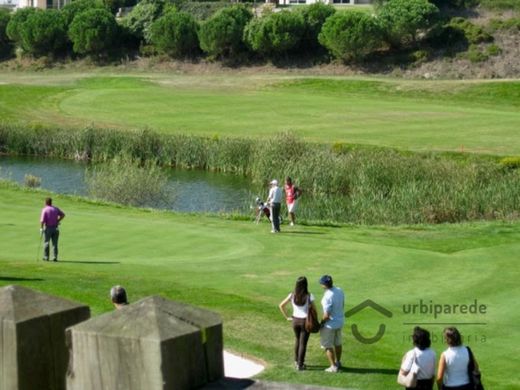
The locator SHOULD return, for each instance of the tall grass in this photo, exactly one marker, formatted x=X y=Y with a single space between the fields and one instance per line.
x=341 y=183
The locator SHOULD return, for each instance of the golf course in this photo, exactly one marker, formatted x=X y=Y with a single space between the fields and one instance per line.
x=236 y=267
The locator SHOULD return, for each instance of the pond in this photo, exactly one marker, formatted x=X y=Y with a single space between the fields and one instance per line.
x=194 y=191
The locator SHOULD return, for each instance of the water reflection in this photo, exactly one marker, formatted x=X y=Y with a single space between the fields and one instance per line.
x=194 y=191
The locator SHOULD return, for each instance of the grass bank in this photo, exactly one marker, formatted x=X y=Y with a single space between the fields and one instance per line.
x=475 y=116
x=242 y=271
x=342 y=182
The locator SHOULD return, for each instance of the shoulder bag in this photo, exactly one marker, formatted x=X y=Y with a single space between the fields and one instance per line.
x=474 y=375
x=410 y=379
x=312 y=325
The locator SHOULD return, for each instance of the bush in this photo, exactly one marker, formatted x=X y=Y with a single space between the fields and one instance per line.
x=44 y=33
x=202 y=10
x=402 y=20
x=93 y=32
x=5 y=44
x=457 y=4
x=510 y=162
x=314 y=16
x=275 y=34
x=128 y=182
x=76 y=7
x=222 y=34
x=139 y=21
x=350 y=35
x=32 y=181
x=14 y=27
x=493 y=50
x=475 y=55
x=472 y=32
x=175 y=34
x=508 y=24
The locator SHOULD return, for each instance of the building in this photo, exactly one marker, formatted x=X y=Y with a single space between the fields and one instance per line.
x=332 y=2
x=43 y=4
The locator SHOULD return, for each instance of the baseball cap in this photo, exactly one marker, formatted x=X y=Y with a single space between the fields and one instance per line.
x=274 y=182
x=326 y=279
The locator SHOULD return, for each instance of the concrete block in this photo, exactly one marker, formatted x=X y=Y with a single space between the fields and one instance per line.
x=33 y=353
x=152 y=344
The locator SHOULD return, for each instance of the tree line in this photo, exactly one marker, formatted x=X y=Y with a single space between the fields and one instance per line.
x=234 y=32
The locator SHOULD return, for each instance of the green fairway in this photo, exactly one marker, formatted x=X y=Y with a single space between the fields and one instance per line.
x=476 y=116
x=240 y=270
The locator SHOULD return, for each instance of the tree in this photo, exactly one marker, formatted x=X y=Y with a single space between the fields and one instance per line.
x=314 y=17
x=140 y=19
x=75 y=7
x=350 y=35
x=175 y=34
x=14 y=26
x=5 y=44
x=276 y=33
x=402 y=20
x=222 y=34
x=43 y=32
x=93 y=32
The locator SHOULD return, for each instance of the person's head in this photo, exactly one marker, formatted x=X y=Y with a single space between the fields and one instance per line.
x=274 y=183
x=118 y=296
x=301 y=291
x=326 y=281
x=288 y=181
x=48 y=201
x=452 y=337
x=421 y=338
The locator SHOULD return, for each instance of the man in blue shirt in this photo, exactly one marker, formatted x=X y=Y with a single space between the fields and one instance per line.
x=333 y=303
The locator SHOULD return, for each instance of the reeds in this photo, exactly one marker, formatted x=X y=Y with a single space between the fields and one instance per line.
x=340 y=184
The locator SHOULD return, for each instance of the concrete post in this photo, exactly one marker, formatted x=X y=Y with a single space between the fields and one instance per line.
x=33 y=354
x=152 y=344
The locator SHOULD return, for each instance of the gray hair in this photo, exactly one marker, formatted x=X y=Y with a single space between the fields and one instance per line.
x=118 y=295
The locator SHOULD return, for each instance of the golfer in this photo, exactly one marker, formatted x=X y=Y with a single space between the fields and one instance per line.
x=49 y=221
x=333 y=303
x=275 y=201
x=292 y=193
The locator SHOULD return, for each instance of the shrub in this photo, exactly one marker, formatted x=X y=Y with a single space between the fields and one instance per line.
x=32 y=181
x=475 y=55
x=76 y=7
x=93 y=32
x=314 y=16
x=275 y=34
x=5 y=44
x=44 y=33
x=128 y=182
x=402 y=20
x=14 y=26
x=494 y=50
x=350 y=35
x=202 y=10
x=510 y=162
x=472 y=32
x=222 y=34
x=456 y=3
x=175 y=34
x=139 y=21
x=508 y=24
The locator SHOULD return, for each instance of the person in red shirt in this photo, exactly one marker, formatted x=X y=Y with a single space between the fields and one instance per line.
x=49 y=220
x=292 y=193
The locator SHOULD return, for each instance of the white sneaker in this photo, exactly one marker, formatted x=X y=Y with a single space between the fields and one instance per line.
x=331 y=369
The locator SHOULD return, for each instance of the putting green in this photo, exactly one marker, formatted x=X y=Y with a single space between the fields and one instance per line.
x=477 y=116
x=240 y=270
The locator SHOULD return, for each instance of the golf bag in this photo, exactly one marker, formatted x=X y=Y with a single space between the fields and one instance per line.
x=263 y=209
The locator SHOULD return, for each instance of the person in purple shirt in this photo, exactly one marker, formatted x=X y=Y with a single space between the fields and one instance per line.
x=50 y=219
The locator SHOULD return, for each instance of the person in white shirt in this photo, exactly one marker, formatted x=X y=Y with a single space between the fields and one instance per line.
x=452 y=373
x=420 y=359
x=333 y=303
x=300 y=299
x=275 y=201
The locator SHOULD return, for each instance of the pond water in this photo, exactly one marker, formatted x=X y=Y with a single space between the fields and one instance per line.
x=194 y=191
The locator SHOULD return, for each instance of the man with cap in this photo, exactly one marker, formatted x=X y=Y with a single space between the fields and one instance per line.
x=333 y=303
x=275 y=201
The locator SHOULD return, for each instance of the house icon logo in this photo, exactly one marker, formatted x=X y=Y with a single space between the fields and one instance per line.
x=381 y=331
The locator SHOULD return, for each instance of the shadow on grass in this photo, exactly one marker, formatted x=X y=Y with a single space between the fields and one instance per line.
x=357 y=370
x=16 y=279
x=89 y=262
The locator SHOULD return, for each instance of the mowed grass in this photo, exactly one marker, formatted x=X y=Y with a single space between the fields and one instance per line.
x=475 y=116
x=240 y=270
